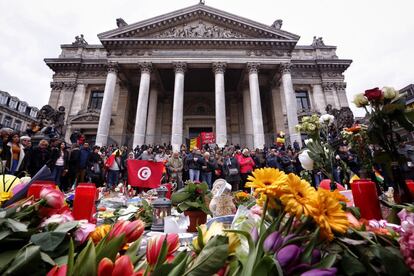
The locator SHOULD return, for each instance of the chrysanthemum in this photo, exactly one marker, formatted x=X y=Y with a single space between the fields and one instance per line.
x=298 y=196
x=268 y=181
x=330 y=216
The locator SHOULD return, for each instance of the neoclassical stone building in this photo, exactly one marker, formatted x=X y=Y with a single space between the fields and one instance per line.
x=167 y=78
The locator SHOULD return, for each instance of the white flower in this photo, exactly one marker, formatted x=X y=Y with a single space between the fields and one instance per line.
x=305 y=160
x=307 y=141
x=360 y=100
x=117 y=189
x=389 y=93
x=326 y=119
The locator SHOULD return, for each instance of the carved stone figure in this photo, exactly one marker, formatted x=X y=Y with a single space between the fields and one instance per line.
x=121 y=22
x=51 y=121
x=277 y=24
x=317 y=42
x=199 y=30
x=79 y=41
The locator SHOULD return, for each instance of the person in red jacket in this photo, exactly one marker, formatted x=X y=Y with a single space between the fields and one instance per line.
x=246 y=167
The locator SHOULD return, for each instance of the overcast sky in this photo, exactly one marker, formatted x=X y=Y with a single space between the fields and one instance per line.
x=378 y=35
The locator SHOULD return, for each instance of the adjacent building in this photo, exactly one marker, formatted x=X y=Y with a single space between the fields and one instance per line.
x=197 y=69
x=16 y=114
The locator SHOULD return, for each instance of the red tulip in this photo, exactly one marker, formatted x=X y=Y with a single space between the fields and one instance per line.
x=374 y=94
x=134 y=230
x=155 y=244
x=53 y=197
x=58 y=271
x=105 y=267
x=123 y=266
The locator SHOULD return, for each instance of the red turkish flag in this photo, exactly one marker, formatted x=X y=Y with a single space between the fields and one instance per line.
x=144 y=174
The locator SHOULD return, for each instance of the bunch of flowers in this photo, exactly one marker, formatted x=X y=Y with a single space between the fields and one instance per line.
x=357 y=138
x=309 y=125
x=243 y=198
x=407 y=236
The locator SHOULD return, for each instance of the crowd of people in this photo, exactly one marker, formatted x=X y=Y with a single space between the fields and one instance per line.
x=107 y=166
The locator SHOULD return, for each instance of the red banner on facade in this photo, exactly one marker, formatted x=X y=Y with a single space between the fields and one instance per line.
x=144 y=174
x=208 y=138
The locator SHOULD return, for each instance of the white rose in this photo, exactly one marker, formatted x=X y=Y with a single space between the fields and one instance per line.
x=360 y=100
x=307 y=141
x=305 y=160
x=326 y=119
x=389 y=93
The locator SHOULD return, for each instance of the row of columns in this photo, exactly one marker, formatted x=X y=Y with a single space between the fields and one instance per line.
x=144 y=130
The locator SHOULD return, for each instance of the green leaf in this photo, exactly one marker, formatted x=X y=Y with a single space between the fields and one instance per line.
x=86 y=261
x=393 y=264
x=179 y=197
x=110 y=249
x=15 y=225
x=307 y=253
x=46 y=258
x=352 y=266
x=6 y=257
x=211 y=258
x=179 y=268
x=26 y=261
x=163 y=253
x=66 y=227
x=4 y=234
x=327 y=262
x=266 y=266
x=48 y=241
x=71 y=258
x=132 y=251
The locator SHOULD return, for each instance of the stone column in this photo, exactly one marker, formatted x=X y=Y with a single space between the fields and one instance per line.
x=318 y=98
x=55 y=94
x=248 y=122
x=178 y=106
x=341 y=93
x=152 y=114
x=278 y=117
x=106 y=109
x=330 y=94
x=290 y=102
x=257 y=118
x=220 y=98
x=142 y=105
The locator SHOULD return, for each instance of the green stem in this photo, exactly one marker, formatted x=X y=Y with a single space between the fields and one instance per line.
x=264 y=213
x=303 y=226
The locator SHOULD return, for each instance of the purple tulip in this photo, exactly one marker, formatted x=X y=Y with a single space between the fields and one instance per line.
x=297 y=269
x=288 y=237
x=316 y=256
x=288 y=255
x=321 y=272
x=272 y=242
x=254 y=234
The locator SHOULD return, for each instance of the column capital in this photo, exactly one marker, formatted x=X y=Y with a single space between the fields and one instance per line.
x=219 y=67
x=285 y=68
x=340 y=86
x=112 y=67
x=253 y=67
x=328 y=86
x=180 y=67
x=145 y=67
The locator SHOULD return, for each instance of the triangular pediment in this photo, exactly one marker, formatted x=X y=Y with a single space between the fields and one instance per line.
x=198 y=22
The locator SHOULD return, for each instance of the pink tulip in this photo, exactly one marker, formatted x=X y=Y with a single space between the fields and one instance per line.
x=82 y=233
x=53 y=198
x=132 y=230
x=58 y=271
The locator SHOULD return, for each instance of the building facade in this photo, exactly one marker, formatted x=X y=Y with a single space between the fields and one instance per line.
x=16 y=114
x=167 y=78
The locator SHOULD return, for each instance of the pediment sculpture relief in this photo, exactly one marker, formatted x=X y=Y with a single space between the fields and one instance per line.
x=199 y=30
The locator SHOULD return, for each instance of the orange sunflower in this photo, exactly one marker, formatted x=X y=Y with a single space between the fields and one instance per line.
x=329 y=215
x=298 y=196
x=268 y=181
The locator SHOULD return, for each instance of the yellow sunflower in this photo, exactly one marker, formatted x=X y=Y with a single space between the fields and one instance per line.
x=268 y=181
x=298 y=196
x=330 y=216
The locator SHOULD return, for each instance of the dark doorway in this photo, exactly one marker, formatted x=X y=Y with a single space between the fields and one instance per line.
x=195 y=131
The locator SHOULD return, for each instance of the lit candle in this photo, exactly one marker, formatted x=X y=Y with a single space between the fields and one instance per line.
x=366 y=199
x=84 y=202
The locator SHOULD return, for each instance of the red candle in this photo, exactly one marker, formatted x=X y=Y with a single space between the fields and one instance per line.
x=366 y=199
x=84 y=202
x=35 y=188
x=410 y=185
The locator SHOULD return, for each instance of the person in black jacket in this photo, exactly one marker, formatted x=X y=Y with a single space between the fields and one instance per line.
x=59 y=164
x=272 y=160
x=231 y=170
x=40 y=156
x=208 y=165
x=194 y=165
x=73 y=164
x=95 y=167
